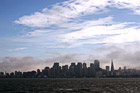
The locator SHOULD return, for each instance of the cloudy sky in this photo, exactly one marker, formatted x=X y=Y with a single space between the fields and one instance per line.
x=36 y=33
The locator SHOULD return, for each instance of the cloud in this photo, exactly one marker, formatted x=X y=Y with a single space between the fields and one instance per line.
x=129 y=4
x=17 y=49
x=37 y=33
x=72 y=32
x=10 y=64
x=103 y=30
x=30 y=63
x=65 y=12
x=102 y=33
x=123 y=55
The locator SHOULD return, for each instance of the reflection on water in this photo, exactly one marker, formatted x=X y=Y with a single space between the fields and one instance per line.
x=85 y=85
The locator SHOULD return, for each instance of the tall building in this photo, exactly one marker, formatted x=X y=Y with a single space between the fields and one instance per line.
x=56 y=65
x=124 y=68
x=57 y=69
x=91 y=70
x=84 y=65
x=96 y=65
x=91 y=65
x=112 y=66
x=72 y=64
x=65 y=70
x=79 y=69
x=72 y=70
x=85 y=70
x=119 y=69
x=107 y=68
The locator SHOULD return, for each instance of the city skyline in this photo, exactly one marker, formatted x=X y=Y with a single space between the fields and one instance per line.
x=30 y=63
x=35 y=33
x=76 y=70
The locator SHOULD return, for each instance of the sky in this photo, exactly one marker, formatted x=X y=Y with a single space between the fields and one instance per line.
x=36 y=33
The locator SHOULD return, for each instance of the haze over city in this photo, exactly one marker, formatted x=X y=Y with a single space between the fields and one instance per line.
x=36 y=34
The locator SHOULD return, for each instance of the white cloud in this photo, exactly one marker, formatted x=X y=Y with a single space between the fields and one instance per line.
x=102 y=30
x=37 y=33
x=102 y=33
x=16 y=49
x=63 y=12
x=130 y=35
x=66 y=11
x=71 y=33
x=130 y=4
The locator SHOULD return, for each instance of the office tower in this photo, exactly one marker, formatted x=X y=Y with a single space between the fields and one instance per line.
x=84 y=65
x=65 y=70
x=91 y=65
x=96 y=65
x=85 y=70
x=124 y=68
x=72 y=64
x=2 y=74
x=72 y=70
x=112 y=66
x=38 y=72
x=46 y=71
x=79 y=69
x=46 y=68
x=91 y=70
x=107 y=68
x=57 y=69
x=119 y=69
x=56 y=65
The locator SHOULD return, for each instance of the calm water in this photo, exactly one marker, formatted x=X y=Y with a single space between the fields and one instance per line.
x=82 y=85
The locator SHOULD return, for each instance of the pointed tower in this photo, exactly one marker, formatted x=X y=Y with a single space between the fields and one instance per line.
x=112 y=66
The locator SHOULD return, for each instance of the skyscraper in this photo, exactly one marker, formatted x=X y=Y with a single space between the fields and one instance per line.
x=72 y=64
x=56 y=68
x=107 y=68
x=84 y=65
x=96 y=65
x=92 y=70
x=79 y=69
x=72 y=70
x=112 y=66
x=85 y=71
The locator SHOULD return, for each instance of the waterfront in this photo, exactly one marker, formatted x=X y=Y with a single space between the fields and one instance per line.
x=69 y=85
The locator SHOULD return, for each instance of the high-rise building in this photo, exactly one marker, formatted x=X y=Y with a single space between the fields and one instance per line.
x=38 y=72
x=72 y=64
x=112 y=66
x=57 y=69
x=79 y=69
x=46 y=71
x=65 y=70
x=96 y=65
x=85 y=70
x=91 y=65
x=72 y=70
x=91 y=70
x=84 y=65
x=107 y=68
x=56 y=65
x=119 y=69
x=124 y=68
